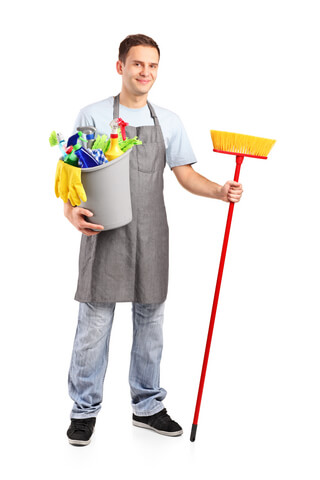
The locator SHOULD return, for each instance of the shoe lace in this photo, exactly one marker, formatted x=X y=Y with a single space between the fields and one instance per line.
x=81 y=426
x=162 y=417
x=163 y=414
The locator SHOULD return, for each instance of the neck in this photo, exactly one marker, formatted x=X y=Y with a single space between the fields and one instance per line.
x=132 y=101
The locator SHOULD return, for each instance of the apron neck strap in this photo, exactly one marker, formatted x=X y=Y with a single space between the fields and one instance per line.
x=116 y=106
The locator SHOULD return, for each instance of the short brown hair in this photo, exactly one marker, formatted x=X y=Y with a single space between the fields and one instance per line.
x=133 y=41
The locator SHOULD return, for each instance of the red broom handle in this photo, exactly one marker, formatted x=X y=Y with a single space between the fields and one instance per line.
x=239 y=160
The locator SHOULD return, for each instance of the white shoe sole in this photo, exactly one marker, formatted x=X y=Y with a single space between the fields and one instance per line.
x=168 y=434
x=80 y=443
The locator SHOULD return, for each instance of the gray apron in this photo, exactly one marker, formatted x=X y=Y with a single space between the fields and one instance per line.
x=130 y=263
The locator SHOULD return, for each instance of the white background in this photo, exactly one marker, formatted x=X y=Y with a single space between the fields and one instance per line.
x=248 y=67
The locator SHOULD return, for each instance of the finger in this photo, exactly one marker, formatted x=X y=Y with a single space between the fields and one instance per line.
x=85 y=211
x=235 y=196
x=88 y=232
x=91 y=226
x=84 y=224
x=235 y=191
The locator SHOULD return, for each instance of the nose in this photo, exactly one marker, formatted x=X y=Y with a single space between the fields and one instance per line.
x=145 y=71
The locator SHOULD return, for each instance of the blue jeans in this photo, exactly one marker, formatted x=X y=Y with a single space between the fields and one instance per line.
x=90 y=358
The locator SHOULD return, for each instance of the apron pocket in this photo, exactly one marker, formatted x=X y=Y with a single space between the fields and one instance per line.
x=148 y=157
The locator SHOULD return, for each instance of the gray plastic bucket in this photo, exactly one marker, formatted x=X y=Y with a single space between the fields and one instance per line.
x=108 y=192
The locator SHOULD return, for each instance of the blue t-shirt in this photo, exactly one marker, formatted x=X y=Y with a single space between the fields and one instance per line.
x=178 y=148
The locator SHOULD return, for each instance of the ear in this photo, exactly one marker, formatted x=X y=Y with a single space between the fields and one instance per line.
x=119 y=67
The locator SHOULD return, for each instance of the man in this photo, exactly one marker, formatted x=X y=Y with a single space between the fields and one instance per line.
x=130 y=263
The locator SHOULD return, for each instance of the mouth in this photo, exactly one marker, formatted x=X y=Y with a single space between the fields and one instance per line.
x=143 y=82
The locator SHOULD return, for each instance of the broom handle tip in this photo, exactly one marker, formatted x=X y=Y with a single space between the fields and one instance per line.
x=193 y=432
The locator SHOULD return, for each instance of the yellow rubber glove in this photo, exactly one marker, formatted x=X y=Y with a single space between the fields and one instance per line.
x=68 y=184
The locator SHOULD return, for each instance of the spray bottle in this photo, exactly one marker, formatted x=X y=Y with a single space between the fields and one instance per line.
x=62 y=144
x=57 y=139
x=89 y=133
x=114 y=150
x=71 y=157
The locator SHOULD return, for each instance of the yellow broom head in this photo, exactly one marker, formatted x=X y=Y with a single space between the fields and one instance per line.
x=238 y=143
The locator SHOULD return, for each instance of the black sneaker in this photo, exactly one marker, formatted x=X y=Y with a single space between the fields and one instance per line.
x=81 y=430
x=160 y=423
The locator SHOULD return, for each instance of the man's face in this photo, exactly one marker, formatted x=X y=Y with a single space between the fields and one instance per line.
x=140 y=69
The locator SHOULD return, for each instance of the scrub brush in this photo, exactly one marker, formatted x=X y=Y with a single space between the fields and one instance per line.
x=57 y=139
x=53 y=139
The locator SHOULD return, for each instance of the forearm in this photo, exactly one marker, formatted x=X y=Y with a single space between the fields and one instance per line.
x=199 y=185
x=195 y=183
x=67 y=209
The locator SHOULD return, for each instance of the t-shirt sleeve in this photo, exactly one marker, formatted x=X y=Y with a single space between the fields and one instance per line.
x=179 y=151
x=83 y=120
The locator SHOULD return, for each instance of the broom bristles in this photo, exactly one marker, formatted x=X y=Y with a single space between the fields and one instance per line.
x=239 y=143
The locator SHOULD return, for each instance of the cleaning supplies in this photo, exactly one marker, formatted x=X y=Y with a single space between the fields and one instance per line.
x=114 y=150
x=128 y=143
x=76 y=158
x=73 y=140
x=68 y=184
x=69 y=149
x=57 y=139
x=99 y=155
x=71 y=157
x=89 y=133
x=241 y=146
x=101 y=142
x=85 y=158
x=77 y=155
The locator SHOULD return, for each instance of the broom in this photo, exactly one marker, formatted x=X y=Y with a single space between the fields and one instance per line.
x=241 y=146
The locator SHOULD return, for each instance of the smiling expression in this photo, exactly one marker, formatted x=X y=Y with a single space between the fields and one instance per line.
x=140 y=69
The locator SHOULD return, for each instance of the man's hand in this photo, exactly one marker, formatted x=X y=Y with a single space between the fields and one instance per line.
x=231 y=191
x=76 y=215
